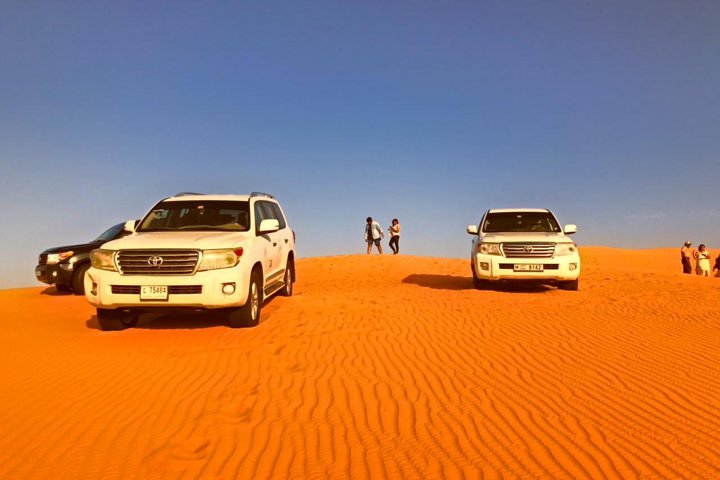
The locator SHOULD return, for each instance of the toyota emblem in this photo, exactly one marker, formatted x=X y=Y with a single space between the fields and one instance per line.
x=155 y=261
x=528 y=249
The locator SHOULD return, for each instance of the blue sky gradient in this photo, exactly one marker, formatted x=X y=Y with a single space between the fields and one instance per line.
x=606 y=112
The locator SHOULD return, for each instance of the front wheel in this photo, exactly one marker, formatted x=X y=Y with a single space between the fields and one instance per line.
x=249 y=314
x=78 y=281
x=111 y=320
x=479 y=284
x=569 y=285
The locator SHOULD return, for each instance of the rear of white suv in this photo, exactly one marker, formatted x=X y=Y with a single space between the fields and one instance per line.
x=199 y=252
x=524 y=244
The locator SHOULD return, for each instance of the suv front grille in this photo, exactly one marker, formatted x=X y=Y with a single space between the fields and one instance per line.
x=43 y=259
x=157 y=262
x=528 y=250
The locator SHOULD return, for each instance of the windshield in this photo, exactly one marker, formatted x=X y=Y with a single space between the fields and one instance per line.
x=197 y=215
x=110 y=233
x=520 y=222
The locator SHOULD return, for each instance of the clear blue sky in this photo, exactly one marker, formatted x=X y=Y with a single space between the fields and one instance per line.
x=607 y=112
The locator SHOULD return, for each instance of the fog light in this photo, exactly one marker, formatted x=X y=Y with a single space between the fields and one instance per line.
x=572 y=266
x=484 y=266
x=228 y=288
x=54 y=274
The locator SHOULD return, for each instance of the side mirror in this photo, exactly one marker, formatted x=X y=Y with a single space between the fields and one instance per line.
x=570 y=229
x=472 y=229
x=269 y=225
x=130 y=225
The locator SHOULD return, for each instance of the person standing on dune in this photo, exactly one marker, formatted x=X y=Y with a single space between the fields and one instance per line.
x=686 y=254
x=395 y=236
x=373 y=235
x=703 y=261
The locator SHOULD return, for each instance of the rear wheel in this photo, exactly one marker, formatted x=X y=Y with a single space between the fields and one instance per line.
x=569 y=285
x=78 y=282
x=287 y=290
x=249 y=314
x=110 y=320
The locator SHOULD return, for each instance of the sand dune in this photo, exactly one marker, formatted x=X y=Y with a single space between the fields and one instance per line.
x=378 y=367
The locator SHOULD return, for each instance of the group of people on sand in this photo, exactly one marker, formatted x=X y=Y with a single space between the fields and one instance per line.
x=701 y=259
x=374 y=235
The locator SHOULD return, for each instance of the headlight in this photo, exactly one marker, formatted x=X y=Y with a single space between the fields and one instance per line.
x=562 y=249
x=215 y=259
x=54 y=258
x=489 y=249
x=103 y=259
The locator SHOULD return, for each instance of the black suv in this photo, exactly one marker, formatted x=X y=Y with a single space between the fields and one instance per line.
x=65 y=267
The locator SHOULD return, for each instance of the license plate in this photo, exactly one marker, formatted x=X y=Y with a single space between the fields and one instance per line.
x=153 y=292
x=527 y=267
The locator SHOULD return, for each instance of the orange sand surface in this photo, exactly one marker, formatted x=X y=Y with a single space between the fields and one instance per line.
x=377 y=367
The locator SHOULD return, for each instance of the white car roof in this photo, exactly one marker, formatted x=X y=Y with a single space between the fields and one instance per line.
x=511 y=210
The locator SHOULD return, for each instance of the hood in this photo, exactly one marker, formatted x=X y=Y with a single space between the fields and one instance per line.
x=179 y=240
x=78 y=248
x=502 y=237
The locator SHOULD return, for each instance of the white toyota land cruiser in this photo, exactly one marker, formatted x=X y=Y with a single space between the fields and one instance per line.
x=199 y=252
x=524 y=244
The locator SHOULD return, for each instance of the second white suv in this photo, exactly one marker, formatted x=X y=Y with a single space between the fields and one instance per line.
x=524 y=244
x=199 y=252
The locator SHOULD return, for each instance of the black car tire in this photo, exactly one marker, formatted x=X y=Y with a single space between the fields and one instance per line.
x=287 y=290
x=112 y=320
x=249 y=314
x=569 y=285
x=78 y=281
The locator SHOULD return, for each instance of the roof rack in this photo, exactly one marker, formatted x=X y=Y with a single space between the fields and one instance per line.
x=183 y=194
x=261 y=194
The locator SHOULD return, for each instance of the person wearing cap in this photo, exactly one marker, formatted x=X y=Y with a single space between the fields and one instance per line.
x=686 y=254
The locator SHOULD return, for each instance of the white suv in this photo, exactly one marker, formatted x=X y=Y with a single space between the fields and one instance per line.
x=198 y=252
x=524 y=244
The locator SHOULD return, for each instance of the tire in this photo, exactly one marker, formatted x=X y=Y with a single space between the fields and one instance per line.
x=78 y=281
x=569 y=285
x=112 y=320
x=61 y=287
x=249 y=314
x=479 y=284
x=287 y=290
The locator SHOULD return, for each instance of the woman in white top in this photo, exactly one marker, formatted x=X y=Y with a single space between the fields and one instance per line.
x=703 y=261
x=395 y=236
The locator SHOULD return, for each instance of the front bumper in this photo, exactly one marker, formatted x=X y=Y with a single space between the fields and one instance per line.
x=203 y=290
x=61 y=273
x=495 y=267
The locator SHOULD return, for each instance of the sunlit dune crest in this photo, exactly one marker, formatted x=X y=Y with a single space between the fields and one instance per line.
x=378 y=367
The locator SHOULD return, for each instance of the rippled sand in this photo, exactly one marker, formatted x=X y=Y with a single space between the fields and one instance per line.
x=378 y=367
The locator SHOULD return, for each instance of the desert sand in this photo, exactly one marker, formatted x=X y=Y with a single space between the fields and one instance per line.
x=377 y=367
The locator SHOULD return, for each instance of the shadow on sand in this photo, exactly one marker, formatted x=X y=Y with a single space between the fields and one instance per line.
x=182 y=319
x=54 y=292
x=440 y=282
x=452 y=282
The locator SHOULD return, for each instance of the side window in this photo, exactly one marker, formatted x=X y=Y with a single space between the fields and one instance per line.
x=279 y=215
x=263 y=211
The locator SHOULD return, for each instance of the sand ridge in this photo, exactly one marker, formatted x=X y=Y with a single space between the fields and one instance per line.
x=378 y=367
